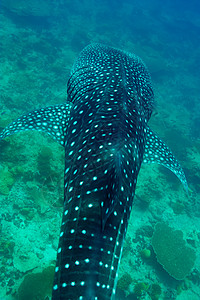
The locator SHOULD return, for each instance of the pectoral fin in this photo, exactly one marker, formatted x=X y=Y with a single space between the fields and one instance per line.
x=53 y=120
x=156 y=151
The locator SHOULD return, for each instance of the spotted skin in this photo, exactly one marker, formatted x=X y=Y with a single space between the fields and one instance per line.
x=156 y=151
x=52 y=120
x=103 y=128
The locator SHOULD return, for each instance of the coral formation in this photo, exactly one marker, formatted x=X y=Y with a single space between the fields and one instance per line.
x=140 y=288
x=124 y=282
x=145 y=253
x=6 y=247
x=146 y=231
x=37 y=285
x=171 y=251
x=6 y=181
x=36 y=8
x=177 y=207
x=27 y=212
x=155 y=291
x=44 y=157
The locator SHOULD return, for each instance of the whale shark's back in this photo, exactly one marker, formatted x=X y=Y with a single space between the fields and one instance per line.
x=112 y=102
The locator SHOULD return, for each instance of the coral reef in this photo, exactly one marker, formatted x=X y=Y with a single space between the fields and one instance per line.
x=171 y=251
x=44 y=157
x=36 y=8
x=155 y=291
x=37 y=285
x=124 y=282
x=140 y=288
x=178 y=207
x=6 y=247
x=6 y=181
x=27 y=212
x=145 y=253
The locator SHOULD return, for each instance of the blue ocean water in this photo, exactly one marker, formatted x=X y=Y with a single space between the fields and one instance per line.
x=39 y=42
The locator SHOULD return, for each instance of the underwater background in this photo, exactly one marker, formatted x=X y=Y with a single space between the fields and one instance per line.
x=39 y=41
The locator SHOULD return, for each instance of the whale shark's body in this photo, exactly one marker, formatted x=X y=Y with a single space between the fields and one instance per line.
x=103 y=127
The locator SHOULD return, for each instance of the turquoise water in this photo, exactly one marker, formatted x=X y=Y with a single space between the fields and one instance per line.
x=39 y=43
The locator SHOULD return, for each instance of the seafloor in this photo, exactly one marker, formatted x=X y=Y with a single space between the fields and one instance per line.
x=37 y=53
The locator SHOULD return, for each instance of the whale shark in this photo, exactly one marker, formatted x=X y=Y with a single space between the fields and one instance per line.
x=103 y=127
